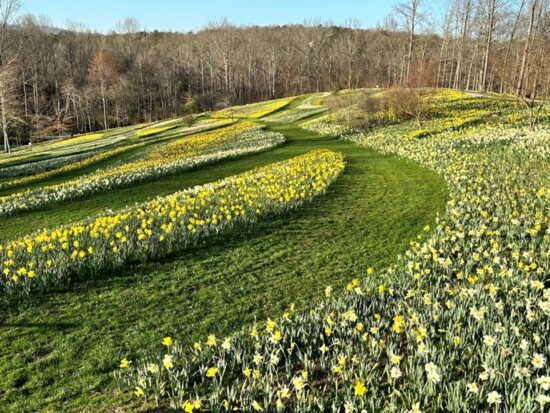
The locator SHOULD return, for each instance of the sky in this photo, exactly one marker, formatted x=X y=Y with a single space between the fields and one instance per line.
x=188 y=15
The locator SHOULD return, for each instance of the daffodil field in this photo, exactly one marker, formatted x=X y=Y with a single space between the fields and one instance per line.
x=459 y=323
x=184 y=153
x=283 y=256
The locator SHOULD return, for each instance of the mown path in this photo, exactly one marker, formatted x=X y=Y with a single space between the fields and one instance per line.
x=58 y=353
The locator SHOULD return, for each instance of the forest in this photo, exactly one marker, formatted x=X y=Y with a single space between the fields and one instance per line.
x=68 y=81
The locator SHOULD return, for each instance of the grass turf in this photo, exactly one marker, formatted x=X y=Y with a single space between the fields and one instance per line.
x=57 y=353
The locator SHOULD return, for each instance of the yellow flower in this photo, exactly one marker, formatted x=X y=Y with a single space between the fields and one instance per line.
x=211 y=372
x=167 y=341
x=168 y=361
x=138 y=392
x=359 y=388
x=276 y=337
x=124 y=363
x=395 y=359
x=270 y=325
x=211 y=340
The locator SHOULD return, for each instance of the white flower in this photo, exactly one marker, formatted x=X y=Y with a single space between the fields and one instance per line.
x=431 y=367
x=415 y=408
x=433 y=373
x=544 y=382
x=523 y=345
x=226 y=345
x=538 y=361
x=422 y=349
x=489 y=340
x=349 y=408
x=543 y=399
x=395 y=373
x=274 y=359
x=472 y=388
x=494 y=397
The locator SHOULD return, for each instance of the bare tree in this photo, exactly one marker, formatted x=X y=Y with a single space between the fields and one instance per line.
x=130 y=75
x=464 y=10
x=103 y=70
x=488 y=43
x=8 y=99
x=532 y=79
x=410 y=11
x=8 y=76
x=9 y=9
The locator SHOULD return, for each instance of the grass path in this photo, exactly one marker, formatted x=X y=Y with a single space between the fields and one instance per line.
x=58 y=353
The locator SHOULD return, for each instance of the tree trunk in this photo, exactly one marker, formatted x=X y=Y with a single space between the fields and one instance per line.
x=7 y=147
x=414 y=7
x=464 y=28
x=490 y=28
x=522 y=72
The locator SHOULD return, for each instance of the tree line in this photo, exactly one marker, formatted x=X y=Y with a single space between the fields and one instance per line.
x=76 y=80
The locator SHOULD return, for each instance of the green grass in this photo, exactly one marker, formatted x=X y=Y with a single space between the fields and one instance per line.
x=58 y=352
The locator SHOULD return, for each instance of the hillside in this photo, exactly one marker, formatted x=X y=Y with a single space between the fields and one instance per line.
x=301 y=254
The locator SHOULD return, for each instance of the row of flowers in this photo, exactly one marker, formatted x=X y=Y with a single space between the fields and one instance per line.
x=164 y=225
x=71 y=164
x=176 y=156
x=458 y=323
x=253 y=110
x=310 y=106
x=45 y=165
x=294 y=115
x=50 y=161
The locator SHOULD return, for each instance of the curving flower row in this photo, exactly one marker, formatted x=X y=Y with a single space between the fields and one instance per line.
x=177 y=156
x=253 y=110
x=80 y=162
x=164 y=225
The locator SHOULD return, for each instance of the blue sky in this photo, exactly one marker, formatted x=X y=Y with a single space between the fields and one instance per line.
x=185 y=15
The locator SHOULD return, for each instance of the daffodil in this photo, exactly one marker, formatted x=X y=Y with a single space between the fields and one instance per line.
x=359 y=388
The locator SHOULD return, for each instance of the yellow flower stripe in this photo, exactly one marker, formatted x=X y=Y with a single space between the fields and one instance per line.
x=253 y=110
x=143 y=133
x=70 y=167
x=178 y=155
x=165 y=224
